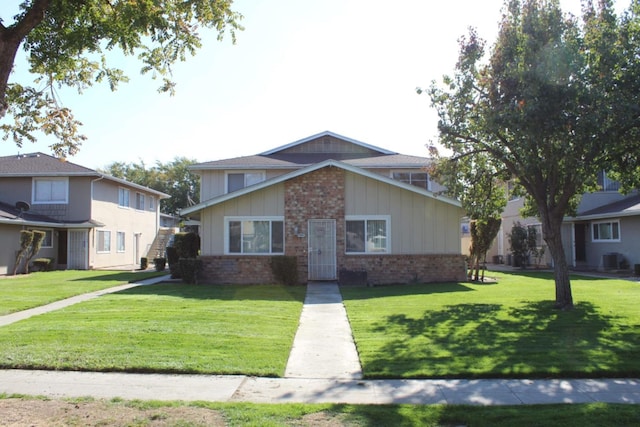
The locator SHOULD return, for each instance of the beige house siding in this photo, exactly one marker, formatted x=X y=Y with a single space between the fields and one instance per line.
x=419 y=224
x=132 y=222
x=212 y=183
x=267 y=202
x=10 y=244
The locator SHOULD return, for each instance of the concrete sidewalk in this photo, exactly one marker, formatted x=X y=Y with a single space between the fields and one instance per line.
x=215 y=388
x=323 y=367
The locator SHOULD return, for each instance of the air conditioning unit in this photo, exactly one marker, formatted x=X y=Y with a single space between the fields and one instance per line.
x=610 y=261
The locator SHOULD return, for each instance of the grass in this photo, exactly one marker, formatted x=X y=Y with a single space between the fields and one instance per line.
x=263 y=415
x=167 y=327
x=506 y=329
x=36 y=289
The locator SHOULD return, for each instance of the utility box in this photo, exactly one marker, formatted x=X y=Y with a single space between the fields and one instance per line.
x=610 y=261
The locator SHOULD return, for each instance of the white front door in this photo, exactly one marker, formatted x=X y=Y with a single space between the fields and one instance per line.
x=77 y=252
x=322 y=249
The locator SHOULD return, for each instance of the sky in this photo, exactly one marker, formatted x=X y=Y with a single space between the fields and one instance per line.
x=299 y=68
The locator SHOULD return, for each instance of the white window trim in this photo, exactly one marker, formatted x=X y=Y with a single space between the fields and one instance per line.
x=262 y=173
x=228 y=219
x=152 y=203
x=411 y=171
x=128 y=206
x=97 y=249
x=386 y=218
x=49 y=202
x=616 y=221
x=124 y=241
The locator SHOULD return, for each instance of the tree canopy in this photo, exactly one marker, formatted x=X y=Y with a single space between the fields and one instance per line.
x=67 y=42
x=555 y=101
x=173 y=178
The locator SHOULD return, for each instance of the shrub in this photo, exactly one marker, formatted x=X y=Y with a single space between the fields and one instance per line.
x=187 y=244
x=190 y=270
x=172 y=260
x=42 y=264
x=285 y=269
x=159 y=263
x=144 y=263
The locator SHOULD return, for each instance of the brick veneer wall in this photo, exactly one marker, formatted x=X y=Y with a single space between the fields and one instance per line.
x=236 y=270
x=391 y=269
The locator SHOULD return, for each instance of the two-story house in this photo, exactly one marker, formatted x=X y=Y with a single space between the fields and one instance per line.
x=91 y=220
x=336 y=204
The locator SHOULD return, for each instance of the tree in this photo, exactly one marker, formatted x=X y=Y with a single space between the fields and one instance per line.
x=480 y=188
x=36 y=245
x=66 y=42
x=173 y=178
x=553 y=104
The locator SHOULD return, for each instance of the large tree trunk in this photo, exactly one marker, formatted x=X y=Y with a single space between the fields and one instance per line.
x=10 y=39
x=552 y=229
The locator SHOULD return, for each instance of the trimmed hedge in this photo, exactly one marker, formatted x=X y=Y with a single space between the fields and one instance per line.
x=285 y=269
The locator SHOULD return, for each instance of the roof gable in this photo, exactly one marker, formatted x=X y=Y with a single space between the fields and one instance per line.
x=281 y=178
x=328 y=143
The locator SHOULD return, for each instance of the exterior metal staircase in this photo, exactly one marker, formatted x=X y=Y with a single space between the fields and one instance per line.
x=160 y=243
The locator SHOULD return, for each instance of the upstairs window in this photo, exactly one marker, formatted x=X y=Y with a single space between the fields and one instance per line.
x=123 y=197
x=51 y=190
x=140 y=201
x=239 y=180
x=606 y=231
x=607 y=184
x=419 y=179
x=152 y=203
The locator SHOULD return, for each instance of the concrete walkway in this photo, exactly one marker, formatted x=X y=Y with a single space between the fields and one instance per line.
x=323 y=346
x=323 y=367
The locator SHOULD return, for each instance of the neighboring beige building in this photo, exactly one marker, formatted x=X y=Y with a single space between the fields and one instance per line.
x=340 y=206
x=91 y=220
x=604 y=235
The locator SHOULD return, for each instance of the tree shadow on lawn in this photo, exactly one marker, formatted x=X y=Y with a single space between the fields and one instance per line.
x=358 y=293
x=485 y=340
x=547 y=275
x=220 y=292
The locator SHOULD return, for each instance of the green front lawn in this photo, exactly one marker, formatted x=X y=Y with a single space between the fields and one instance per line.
x=36 y=289
x=163 y=328
x=508 y=329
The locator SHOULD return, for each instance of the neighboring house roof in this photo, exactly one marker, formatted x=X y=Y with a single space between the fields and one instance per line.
x=41 y=165
x=14 y=216
x=629 y=206
x=281 y=178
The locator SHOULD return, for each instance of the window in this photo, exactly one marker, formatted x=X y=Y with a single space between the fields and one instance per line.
x=47 y=242
x=255 y=236
x=367 y=234
x=607 y=184
x=120 y=239
x=50 y=190
x=103 y=241
x=606 y=231
x=419 y=179
x=239 y=180
x=123 y=197
x=152 y=203
x=140 y=201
